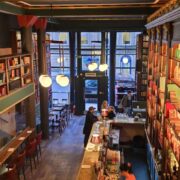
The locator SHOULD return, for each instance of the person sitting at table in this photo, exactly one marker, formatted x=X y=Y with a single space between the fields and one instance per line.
x=90 y=119
x=111 y=112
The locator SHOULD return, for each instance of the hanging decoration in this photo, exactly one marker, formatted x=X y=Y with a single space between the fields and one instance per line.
x=61 y=79
x=93 y=65
x=103 y=67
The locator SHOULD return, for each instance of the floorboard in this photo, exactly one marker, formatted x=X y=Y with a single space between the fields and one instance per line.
x=61 y=155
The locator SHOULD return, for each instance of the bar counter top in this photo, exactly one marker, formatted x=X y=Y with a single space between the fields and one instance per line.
x=91 y=153
x=14 y=144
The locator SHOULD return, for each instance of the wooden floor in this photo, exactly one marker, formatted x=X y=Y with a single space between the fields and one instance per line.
x=61 y=155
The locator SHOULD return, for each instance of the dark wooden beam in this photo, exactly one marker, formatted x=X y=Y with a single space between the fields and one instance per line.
x=91 y=25
x=79 y=58
x=91 y=11
x=43 y=91
x=72 y=44
x=10 y=9
x=112 y=67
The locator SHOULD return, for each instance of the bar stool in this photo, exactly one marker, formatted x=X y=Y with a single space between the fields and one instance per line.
x=11 y=174
x=31 y=152
x=19 y=161
x=38 y=142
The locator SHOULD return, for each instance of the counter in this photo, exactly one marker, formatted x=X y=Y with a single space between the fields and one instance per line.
x=129 y=128
x=125 y=129
x=92 y=151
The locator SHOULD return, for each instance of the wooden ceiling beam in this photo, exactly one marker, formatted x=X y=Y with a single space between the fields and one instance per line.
x=107 y=11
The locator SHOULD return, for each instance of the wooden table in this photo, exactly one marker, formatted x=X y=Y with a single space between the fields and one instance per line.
x=14 y=144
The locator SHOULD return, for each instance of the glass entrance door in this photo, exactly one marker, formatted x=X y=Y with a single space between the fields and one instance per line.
x=95 y=92
x=91 y=93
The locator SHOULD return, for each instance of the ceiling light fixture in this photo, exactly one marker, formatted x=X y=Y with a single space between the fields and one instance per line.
x=45 y=80
x=61 y=79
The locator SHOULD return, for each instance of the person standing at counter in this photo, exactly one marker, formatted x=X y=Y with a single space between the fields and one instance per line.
x=111 y=112
x=104 y=109
x=104 y=105
x=90 y=120
x=126 y=103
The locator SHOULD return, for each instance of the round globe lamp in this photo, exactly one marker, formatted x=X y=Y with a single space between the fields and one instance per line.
x=45 y=80
x=125 y=60
x=103 y=67
x=62 y=80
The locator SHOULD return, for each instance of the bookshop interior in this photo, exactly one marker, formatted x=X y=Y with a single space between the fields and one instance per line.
x=90 y=90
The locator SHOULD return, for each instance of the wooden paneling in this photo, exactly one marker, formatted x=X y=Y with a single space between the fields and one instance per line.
x=15 y=97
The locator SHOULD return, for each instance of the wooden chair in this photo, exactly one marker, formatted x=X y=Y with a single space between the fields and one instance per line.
x=31 y=150
x=19 y=161
x=11 y=174
x=38 y=142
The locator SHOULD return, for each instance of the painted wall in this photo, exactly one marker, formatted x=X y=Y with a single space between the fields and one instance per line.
x=8 y=122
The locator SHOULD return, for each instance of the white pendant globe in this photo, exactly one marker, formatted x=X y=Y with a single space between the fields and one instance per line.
x=92 y=66
x=45 y=80
x=62 y=80
x=125 y=60
x=59 y=78
x=95 y=65
x=103 y=67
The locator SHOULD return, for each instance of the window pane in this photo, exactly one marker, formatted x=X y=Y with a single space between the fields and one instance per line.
x=90 y=40
x=91 y=87
x=58 y=92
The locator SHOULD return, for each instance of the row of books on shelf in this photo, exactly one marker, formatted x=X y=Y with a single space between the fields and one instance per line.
x=3 y=90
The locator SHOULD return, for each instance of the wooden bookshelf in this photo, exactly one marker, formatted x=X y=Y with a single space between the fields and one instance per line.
x=142 y=63
x=15 y=72
x=163 y=99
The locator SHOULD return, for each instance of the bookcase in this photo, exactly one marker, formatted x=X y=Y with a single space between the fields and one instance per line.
x=163 y=101
x=15 y=72
x=141 y=66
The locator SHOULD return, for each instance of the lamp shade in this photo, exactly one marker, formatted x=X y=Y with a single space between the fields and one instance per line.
x=45 y=80
x=95 y=65
x=62 y=80
x=103 y=67
x=125 y=60
x=92 y=66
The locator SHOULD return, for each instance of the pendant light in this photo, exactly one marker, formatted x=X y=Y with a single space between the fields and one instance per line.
x=126 y=39
x=125 y=60
x=61 y=79
x=103 y=67
x=45 y=80
x=93 y=65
